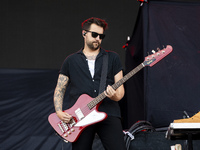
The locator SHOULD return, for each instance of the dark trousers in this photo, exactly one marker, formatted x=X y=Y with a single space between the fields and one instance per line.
x=109 y=131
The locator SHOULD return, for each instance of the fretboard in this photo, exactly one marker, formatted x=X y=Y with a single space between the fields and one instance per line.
x=101 y=96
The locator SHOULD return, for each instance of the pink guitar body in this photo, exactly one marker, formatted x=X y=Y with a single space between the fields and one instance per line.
x=82 y=115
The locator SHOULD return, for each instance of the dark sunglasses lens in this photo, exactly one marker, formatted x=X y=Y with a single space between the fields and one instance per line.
x=101 y=36
x=94 y=34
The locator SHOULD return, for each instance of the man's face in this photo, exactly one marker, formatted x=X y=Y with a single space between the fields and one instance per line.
x=93 y=43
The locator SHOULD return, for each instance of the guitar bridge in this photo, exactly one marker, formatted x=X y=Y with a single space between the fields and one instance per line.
x=65 y=125
x=61 y=129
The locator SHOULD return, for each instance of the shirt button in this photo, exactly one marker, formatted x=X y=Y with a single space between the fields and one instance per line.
x=95 y=91
x=93 y=80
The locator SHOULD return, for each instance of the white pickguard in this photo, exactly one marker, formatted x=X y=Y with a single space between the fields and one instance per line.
x=92 y=117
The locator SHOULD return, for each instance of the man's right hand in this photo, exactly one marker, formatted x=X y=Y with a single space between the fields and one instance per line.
x=65 y=117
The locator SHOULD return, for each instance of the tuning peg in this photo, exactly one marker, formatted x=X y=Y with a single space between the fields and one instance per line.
x=158 y=49
x=153 y=51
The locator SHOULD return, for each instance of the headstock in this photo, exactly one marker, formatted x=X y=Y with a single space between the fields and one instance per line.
x=157 y=56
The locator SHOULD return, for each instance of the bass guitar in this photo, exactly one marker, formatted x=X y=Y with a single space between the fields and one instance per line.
x=85 y=111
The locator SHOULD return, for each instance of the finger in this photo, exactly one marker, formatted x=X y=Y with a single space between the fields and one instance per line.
x=112 y=90
x=66 y=120
x=108 y=90
x=106 y=93
x=67 y=117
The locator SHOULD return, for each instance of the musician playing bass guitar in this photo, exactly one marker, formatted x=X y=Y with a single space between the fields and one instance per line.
x=81 y=74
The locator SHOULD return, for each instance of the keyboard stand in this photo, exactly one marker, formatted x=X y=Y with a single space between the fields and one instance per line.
x=184 y=131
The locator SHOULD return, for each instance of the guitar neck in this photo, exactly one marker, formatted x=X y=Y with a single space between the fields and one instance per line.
x=128 y=76
x=101 y=96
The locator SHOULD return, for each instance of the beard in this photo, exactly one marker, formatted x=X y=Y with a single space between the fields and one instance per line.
x=93 y=45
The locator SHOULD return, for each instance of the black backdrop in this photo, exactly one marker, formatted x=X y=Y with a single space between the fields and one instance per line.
x=26 y=102
x=36 y=36
x=160 y=94
x=39 y=34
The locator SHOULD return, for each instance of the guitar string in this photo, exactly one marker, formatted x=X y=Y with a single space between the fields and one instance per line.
x=86 y=109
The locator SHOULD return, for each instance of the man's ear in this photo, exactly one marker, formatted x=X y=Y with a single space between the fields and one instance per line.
x=84 y=32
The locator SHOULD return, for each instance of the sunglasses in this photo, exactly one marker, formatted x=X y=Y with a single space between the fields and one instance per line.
x=94 y=34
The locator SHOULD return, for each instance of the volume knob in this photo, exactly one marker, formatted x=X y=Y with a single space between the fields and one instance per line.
x=72 y=129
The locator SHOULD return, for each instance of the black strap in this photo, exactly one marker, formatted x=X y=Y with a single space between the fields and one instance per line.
x=103 y=73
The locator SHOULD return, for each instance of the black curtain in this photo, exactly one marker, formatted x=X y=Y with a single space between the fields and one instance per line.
x=26 y=100
x=134 y=90
x=159 y=94
x=173 y=85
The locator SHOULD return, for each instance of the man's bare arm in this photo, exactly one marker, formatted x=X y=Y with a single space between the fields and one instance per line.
x=60 y=92
x=59 y=96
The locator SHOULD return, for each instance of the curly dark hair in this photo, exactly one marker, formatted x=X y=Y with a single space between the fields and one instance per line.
x=100 y=22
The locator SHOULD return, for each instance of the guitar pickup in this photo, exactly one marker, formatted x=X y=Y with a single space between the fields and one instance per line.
x=79 y=114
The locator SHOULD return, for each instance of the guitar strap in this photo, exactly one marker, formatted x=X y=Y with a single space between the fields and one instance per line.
x=103 y=73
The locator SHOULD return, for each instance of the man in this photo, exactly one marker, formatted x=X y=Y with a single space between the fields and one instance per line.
x=81 y=73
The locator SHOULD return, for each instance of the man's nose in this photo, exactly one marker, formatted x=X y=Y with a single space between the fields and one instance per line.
x=98 y=37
